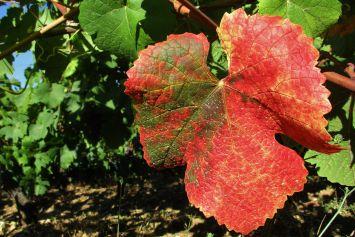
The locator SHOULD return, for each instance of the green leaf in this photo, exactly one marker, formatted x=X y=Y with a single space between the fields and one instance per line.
x=16 y=126
x=110 y=104
x=71 y=68
x=46 y=118
x=315 y=16
x=218 y=61
x=50 y=94
x=75 y=86
x=37 y=131
x=56 y=95
x=44 y=19
x=52 y=55
x=125 y=28
x=14 y=132
x=115 y=24
x=41 y=186
x=338 y=167
x=66 y=157
x=43 y=159
x=73 y=103
x=6 y=67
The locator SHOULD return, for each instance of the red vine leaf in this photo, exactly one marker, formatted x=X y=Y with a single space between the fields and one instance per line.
x=60 y=7
x=225 y=130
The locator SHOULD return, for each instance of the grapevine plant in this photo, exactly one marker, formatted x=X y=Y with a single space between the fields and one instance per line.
x=225 y=99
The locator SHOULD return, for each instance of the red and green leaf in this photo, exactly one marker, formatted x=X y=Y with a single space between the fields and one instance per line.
x=224 y=130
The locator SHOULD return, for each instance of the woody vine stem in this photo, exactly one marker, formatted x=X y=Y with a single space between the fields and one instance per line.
x=346 y=82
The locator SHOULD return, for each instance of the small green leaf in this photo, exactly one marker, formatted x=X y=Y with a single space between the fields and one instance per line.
x=109 y=104
x=313 y=15
x=56 y=96
x=44 y=19
x=50 y=95
x=22 y=159
x=14 y=131
x=73 y=103
x=41 y=186
x=218 y=61
x=66 y=157
x=46 y=118
x=43 y=159
x=6 y=67
x=37 y=131
x=338 y=167
x=75 y=86
x=71 y=68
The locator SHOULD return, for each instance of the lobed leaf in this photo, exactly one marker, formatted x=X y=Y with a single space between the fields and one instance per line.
x=67 y=157
x=314 y=16
x=224 y=130
x=125 y=27
x=339 y=167
x=51 y=95
x=114 y=23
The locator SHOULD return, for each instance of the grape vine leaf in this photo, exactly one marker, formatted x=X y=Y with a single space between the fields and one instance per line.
x=115 y=24
x=339 y=167
x=41 y=186
x=314 y=16
x=218 y=62
x=45 y=120
x=125 y=28
x=67 y=157
x=43 y=159
x=5 y=68
x=224 y=130
x=51 y=95
x=13 y=126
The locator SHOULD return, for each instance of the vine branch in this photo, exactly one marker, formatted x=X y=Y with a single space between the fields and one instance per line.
x=330 y=76
x=60 y=31
x=9 y=1
x=224 y=3
x=38 y=34
x=327 y=55
x=340 y=80
x=199 y=14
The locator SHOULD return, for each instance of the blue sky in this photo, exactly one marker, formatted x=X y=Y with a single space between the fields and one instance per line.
x=3 y=10
x=22 y=60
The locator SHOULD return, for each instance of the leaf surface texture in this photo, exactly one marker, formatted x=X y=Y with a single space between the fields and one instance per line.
x=224 y=130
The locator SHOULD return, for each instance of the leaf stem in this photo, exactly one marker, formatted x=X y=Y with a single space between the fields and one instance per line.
x=60 y=31
x=224 y=3
x=346 y=195
x=340 y=80
x=325 y=54
x=38 y=34
x=9 y=1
